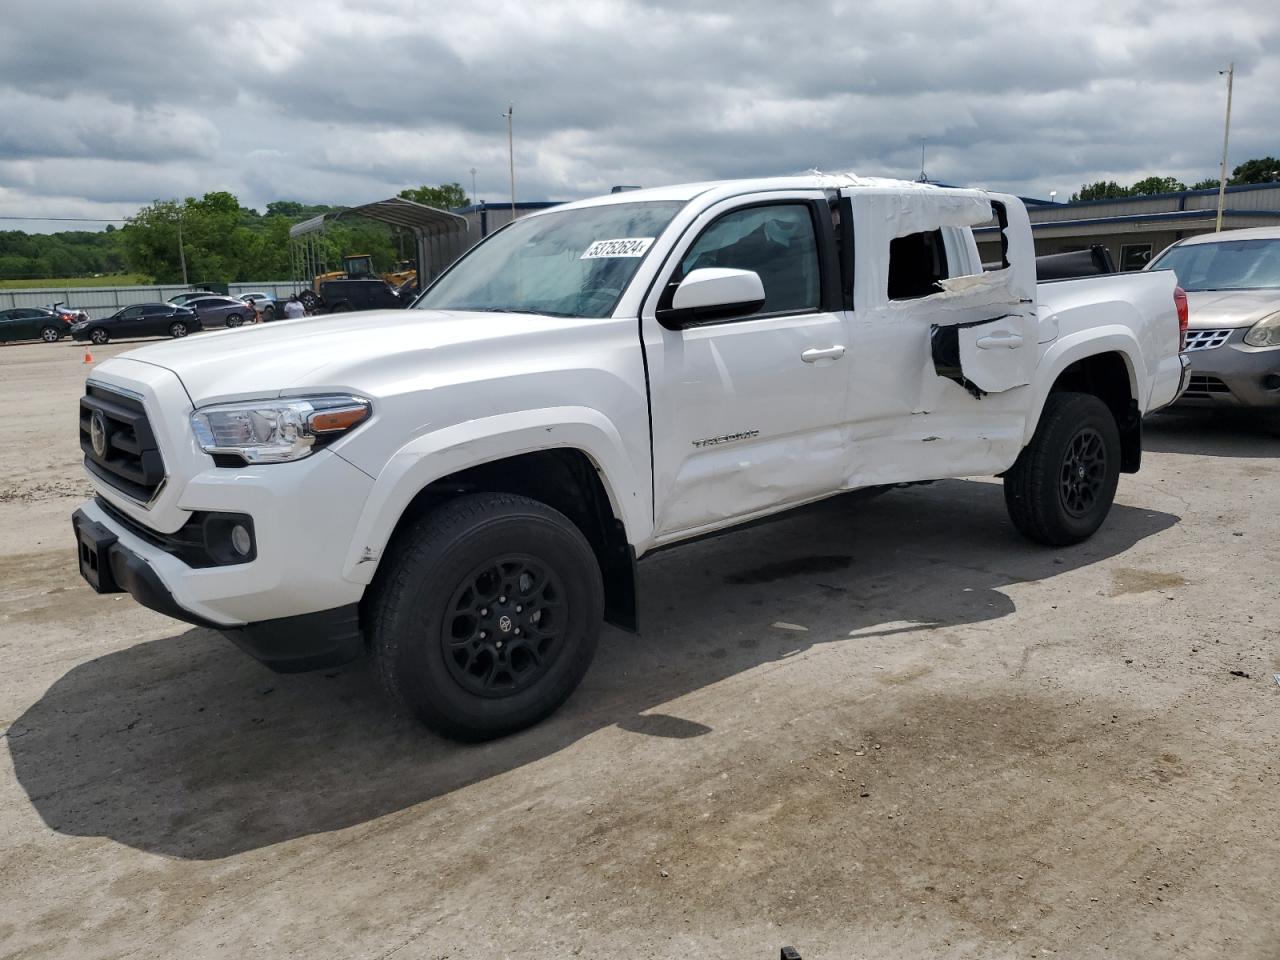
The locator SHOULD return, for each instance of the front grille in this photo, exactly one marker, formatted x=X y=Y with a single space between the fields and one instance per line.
x=1206 y=339
x=1205 y=388
x=130 y=460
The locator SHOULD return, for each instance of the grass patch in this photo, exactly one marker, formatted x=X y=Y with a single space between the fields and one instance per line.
x=106 y=280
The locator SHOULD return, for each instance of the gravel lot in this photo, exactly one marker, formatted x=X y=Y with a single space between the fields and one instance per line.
x=880 y=730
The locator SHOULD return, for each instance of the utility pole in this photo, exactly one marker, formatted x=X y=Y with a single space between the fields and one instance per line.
x=511 y=157
x=474 y=198
x=923 y=178
x=182 y=256
x=1226 y=134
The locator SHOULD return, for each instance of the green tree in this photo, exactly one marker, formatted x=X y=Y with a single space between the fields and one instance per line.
x=1102 y=190
x=1152 y=185
x=447 y=196
x=1208 y=184
x=1261 y=170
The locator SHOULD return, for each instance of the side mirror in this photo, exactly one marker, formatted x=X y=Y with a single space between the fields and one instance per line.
x=713 y=293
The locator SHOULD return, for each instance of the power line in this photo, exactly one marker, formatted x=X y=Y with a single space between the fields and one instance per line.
x=74 y=219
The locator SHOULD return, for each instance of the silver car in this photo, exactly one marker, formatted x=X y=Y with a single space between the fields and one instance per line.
x=215 y=311
x=1232 y=280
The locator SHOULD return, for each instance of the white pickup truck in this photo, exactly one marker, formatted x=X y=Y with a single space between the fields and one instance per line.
x=463 y=488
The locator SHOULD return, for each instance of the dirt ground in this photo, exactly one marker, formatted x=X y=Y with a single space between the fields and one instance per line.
x=880 y=730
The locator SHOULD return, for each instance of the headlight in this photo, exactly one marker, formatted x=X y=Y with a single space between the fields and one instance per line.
x=1264 y=333
x=276 y=431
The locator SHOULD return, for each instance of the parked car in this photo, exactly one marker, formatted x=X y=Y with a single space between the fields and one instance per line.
x=463 y=488
x=340 y=296
x=215 y=311
x=139 y=320
x=1232 y=280
x=264 y=304
x=182 y=299
x=33 y=323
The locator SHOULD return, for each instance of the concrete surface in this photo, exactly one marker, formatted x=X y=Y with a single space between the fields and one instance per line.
x=879 y=730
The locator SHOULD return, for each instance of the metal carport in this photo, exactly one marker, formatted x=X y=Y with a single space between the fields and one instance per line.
x=440 y=237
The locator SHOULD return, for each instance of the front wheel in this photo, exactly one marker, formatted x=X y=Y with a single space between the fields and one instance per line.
x=177 y=329
x=486 y=615
x=50 y=334
x=235 y=320
x=99 y=336
x=1062 y=485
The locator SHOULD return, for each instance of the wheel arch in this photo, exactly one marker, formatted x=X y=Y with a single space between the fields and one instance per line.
x=576 y=468
x=1104 y=367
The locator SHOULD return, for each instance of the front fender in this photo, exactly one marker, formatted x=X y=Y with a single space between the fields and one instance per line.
x=1067 y=350
x=431 y=456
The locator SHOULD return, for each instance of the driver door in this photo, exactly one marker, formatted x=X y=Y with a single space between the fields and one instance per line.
x=748 y=411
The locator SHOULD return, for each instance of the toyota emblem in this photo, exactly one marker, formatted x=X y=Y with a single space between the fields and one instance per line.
x=504 y=624
x=98 y=433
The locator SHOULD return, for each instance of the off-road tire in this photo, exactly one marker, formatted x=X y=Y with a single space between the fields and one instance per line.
x=1038 y=487
x=413 y=618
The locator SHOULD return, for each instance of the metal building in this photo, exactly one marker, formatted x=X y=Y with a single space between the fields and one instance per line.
x=1134 y=229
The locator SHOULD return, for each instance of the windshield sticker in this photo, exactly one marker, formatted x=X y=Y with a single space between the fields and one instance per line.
x=622 y=247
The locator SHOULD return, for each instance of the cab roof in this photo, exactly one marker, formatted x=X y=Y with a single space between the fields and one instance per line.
x=814 y=180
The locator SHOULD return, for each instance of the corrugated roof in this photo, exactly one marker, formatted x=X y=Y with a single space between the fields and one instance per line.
x=395 y=210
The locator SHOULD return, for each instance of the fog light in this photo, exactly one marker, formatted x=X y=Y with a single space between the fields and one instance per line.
x=241 y=542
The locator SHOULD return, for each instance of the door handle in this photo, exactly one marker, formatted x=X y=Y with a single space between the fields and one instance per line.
x=814 y=354
x=1002 y=339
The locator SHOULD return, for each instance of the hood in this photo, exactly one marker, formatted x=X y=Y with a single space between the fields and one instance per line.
x=363 y=350
x=1222 y=309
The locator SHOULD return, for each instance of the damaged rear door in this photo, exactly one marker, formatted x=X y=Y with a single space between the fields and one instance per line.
x=984 y=334
x=942 y=350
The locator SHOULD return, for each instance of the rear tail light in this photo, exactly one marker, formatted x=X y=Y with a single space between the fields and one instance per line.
x=1184 y=316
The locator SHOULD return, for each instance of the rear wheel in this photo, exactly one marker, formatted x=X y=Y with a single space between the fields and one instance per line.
x=50 y=334
x=486 y=615
x=268 y=314
x=99 y=336
x=177 y=329
x=340 y=308
x=1060 y=489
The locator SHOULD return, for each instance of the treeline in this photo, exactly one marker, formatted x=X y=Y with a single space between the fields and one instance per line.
x=73 y=253
x=221 y=241
x=1260 y=170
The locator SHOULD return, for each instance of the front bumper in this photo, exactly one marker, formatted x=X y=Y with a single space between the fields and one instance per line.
x=1233 y=375
x=308 y=641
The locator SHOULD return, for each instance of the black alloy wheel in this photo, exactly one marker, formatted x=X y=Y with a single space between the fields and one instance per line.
x=1084 y=472
x=1061 y=487
x=503 y=627
x=485 y=614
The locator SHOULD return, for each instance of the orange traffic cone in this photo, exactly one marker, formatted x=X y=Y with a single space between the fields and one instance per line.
x=88 y=357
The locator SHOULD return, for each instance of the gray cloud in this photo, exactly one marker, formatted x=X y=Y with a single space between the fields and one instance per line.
x=333 y=100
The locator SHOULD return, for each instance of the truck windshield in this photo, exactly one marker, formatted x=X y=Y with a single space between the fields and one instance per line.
x=571 y=263
x=1229 y=265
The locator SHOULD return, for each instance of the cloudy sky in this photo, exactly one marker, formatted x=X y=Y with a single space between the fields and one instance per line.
x=109 y=104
